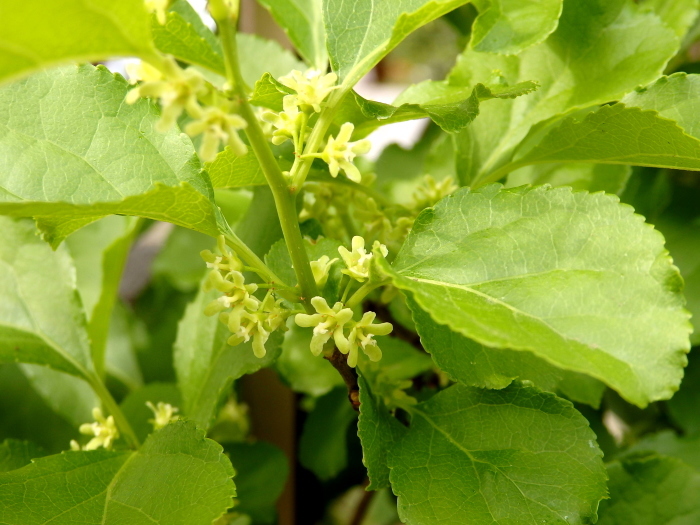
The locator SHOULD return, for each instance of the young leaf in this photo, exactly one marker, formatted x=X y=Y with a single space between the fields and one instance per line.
x=38 y=34
x=591 y=43
x=516 y=456
x=177 y=476
x=575 y=278
x=261 y=473
x=99 y=252
x=302 y=20
x=679 y=15
x=121 y=362
x=206 y=364
x=450 y=107
x=118 y=163
x=323 y=444
x=378 y=431
x=41 y=318
x=614 y=135
x=185 y=36
x=650 y=490
x=504 y=26
x=15 y=454
x=473 y=364
x=359 y=34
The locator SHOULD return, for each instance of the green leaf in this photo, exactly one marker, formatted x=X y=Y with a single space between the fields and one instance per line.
x=75 y=121
x=261 y=473
x=205 y=363
x=300 y=369
x=679 y=15
x=668 y=443
x=610 y=178
x=378 y=431
x=41 y=318
x=25 y=415
x=179 y=262
x=137 y=412
x=450 y=107
x=359 y=34
x=614 y=135
x=15 y=454
x=177 y=476
x=515 y=456
x=651 y=490
x=509 y=26
x=37 y=34
x=683 y=406
x=229 y=170
x=121 y=362
x=588 y=60
x=323 y=444
x=683 y=242
x=259 y=56
x=99 y=252
x=473 y=364
x=185 y=36
x=71 y=399
x=575 y=278
x=302 y=20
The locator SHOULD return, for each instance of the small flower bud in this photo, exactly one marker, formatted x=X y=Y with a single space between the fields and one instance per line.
x=321 y=269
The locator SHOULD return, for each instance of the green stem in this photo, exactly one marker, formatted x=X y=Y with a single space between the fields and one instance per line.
x=343 y=181
x=284 y=199
x=302 y=164
x=114 y=410
x=362 y=292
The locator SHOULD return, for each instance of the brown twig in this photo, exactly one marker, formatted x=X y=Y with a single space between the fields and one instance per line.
x=349 y=375
x=363 y=505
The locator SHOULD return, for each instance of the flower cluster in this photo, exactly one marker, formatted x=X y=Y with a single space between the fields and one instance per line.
x=164 y=414
x=358 y=261
x=333 y=322
x=430 y=191
x=103 y=430
x=340 y=152
x=289 y=124
x=312 y=87
x=179 y=90
x=246 y=316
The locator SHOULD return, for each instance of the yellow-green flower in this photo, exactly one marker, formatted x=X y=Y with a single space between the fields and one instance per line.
x=327 y=322
x=217 y=126
x=104 y=430
x=288 y=123
x=164 y=414
x=321 y=269
x=362 y=336
x=340 y=152
x=358 y=260
x=312 y=87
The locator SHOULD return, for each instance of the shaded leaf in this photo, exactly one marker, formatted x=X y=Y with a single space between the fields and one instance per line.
x=177 y=476
x=575 y=278
x=651 y=490
x=206 y=364
x=15 y=454
x=378 y=431
x=261 y=473
x=323 y=444
x=678 y=15
x=668 y=443
x=683 y=406
x=515 y=456
x=41 y=318
x=610 y=178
